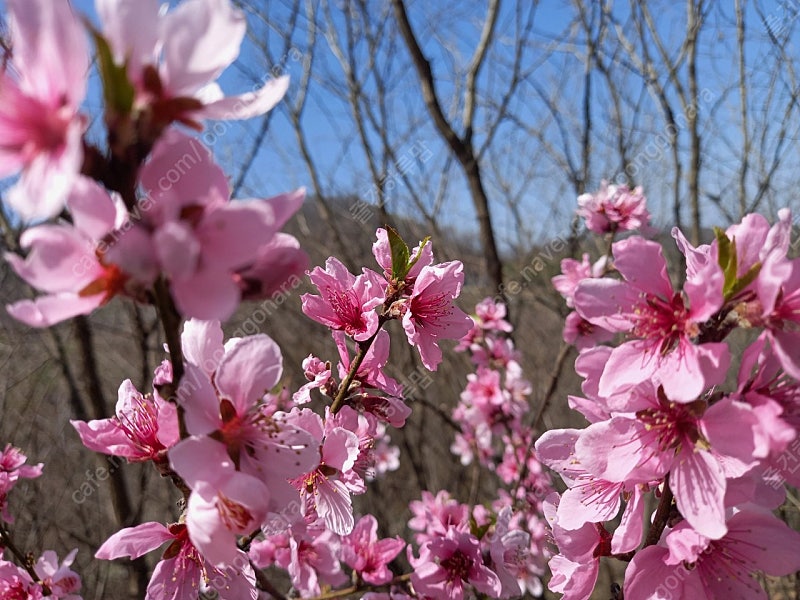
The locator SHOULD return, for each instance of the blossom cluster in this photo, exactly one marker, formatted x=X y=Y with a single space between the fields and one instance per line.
x=265 y=480
x=665 y=421
x=44 y=577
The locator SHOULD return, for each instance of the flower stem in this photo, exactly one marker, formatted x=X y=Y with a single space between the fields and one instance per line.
x=363 y=348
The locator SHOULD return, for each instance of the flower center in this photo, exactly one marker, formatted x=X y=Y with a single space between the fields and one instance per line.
x=668 y=321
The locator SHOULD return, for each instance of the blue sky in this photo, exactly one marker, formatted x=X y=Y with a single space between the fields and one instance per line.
x=341 y=160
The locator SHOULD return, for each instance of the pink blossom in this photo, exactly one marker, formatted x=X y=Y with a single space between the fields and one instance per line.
x=698 y=445
x=318 y=374
x=368 y=556
x=346 y=302
x=447 y=565
x=70 y=262
x=435 y=515
x=573 y=272
x=182 y=572
x=179 y=54
x=143 y=427
x=590 y=499
x=12 y=469
x=203 y=240
x=15 y=582
x=59 y=579
x=779 y=286
x=509 y=549
x=326 y=487
x=692 y=566
x=385 y=455
x=576 y=566
x=308 y=554
x=430 y=315
x=614 y=208
x=224 y=502
x=662 y=328
x=222 y=394
x=40 y=126
x=491 y=315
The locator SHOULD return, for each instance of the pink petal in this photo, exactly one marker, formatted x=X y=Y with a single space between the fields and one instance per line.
x=698 y=483
x=628 y=534
x=641 y=262
x=59 y=260
x=93 y=211
x=134 y=541
x=247 y=105
x=340 y=449
x=50 y=49
x=201 y=38
x=132 y=29
x=202 y=344
x=606 y=302
x=132 y=250
x=45 y=311
x=629 y=364
x=334 y=505
x=178 y=249
x=208 y=294
x=199 y=459
x=232 y=234
x=179 y=173
x=104 y=436
x=249 y=369
x=200 y=402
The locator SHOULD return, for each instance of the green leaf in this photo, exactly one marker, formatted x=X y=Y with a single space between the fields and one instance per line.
x=400 y=255
x=422 y=245
x=728 y=262
x=118 y=91
x=742 y=282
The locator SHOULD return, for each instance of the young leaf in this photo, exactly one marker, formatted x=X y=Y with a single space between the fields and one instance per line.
x=400 y=254
x=118 y=91
x=422 y=245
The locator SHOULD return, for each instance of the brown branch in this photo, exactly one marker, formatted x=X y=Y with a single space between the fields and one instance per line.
x=461 y=147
